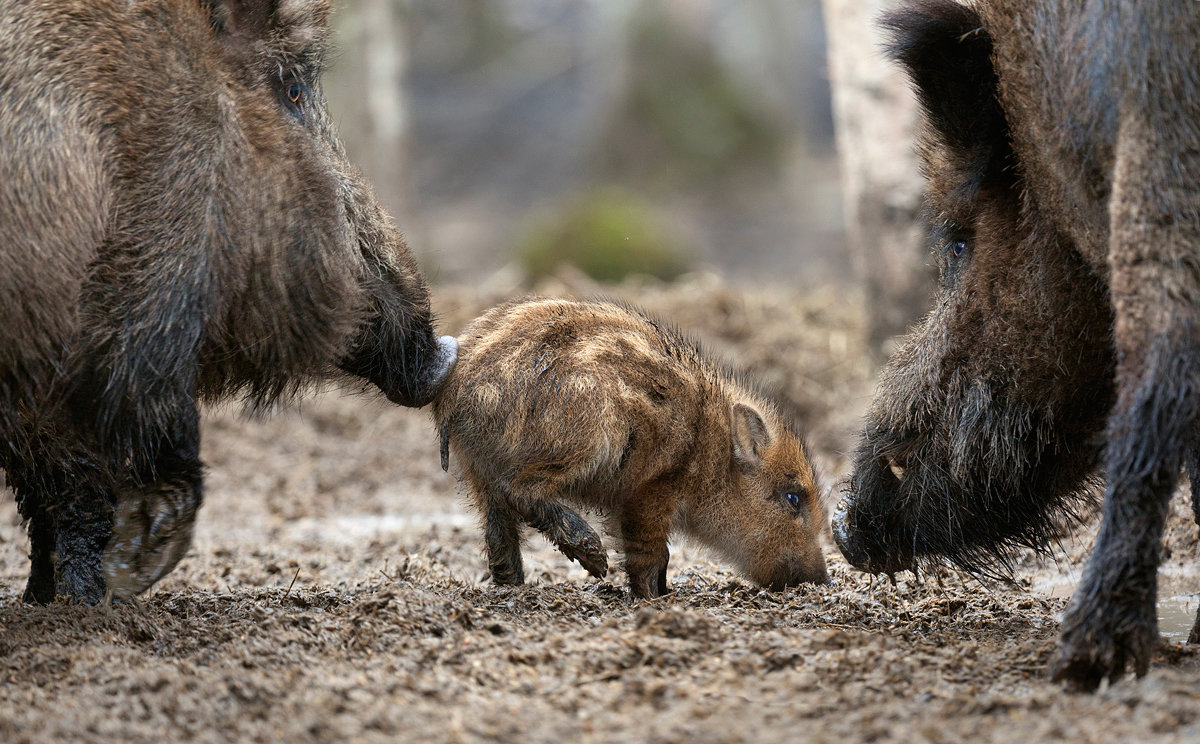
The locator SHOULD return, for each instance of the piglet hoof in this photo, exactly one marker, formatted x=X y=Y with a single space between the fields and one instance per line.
x=1099 y=642
x=572 y=535
x=590 y=554
x=648 y=582
x=648 y=587
x=152 y=531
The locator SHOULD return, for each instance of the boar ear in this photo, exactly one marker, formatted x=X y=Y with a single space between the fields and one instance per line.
x=240 y=18
x=750 y=436
x=300 y=26
x=948 y=56
x=306 y=24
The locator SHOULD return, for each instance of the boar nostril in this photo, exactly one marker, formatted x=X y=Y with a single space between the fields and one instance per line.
x=844 y=541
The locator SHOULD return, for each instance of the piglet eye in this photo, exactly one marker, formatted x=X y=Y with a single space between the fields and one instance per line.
x=793 y=499
x=295 y=93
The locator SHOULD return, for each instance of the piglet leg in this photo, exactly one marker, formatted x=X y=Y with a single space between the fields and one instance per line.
x=502 y=536
x=532 y=498
x=645 y=532
x=570 y=534
x=562 y=526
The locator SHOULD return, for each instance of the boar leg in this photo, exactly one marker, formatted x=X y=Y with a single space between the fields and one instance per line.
x=67 y=500
x=84 y=527
x=1192 y=463
x=155 y=516
x=502 y=535
x=1111 y=621
x=40 y=589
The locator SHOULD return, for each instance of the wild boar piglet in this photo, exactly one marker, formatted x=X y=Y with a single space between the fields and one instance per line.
x=597 y=405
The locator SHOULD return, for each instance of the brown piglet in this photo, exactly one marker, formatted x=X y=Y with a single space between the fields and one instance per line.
x=597 y=405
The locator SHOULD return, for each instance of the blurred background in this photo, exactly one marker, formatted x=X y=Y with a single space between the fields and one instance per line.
x=647 y=136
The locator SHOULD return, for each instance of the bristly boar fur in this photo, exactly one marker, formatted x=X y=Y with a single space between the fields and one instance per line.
x=1062 y=152
x=596 y=404
x=177 y=221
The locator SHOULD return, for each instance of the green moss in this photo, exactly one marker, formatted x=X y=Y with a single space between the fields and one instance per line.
x=608 y=236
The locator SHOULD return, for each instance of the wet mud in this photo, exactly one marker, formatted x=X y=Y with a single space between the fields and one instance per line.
x=337 y=591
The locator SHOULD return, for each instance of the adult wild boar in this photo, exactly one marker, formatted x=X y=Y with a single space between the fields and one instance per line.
x=177 y=222
x=1062 y=150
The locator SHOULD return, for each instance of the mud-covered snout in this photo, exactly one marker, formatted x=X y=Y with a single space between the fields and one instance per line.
x=430 y=374
x=413 y=374
x=865 y=525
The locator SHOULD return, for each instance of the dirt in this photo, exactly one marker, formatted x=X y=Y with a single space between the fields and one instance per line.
x=337 y=591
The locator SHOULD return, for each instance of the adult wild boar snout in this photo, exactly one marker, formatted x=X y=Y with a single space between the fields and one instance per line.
x=431 y=370
x=445 y=358
x=848 y=540
x=865 y=530
x=842 y=536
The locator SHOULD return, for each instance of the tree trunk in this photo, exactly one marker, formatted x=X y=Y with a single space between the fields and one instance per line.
x=875 y=116
x=366 y=94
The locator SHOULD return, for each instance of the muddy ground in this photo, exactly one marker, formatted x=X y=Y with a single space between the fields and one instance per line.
x=337 y=592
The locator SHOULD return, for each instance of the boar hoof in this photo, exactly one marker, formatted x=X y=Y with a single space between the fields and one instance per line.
x=1100 y=643
x=152 y=531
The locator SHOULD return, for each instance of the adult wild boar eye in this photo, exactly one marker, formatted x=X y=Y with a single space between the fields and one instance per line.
x=294 y=96
x=793 y=498
x=957 y=247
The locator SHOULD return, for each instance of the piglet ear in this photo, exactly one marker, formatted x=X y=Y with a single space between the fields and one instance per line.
x=750 y=436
